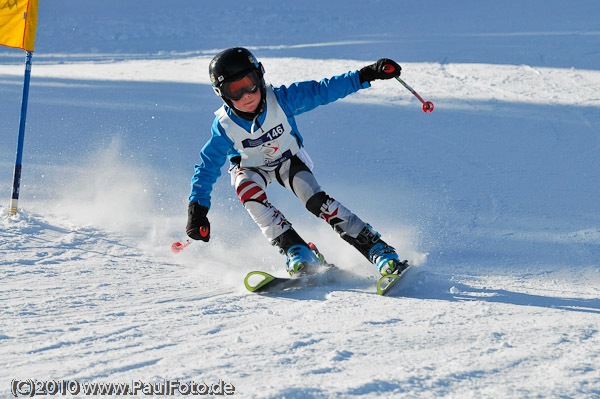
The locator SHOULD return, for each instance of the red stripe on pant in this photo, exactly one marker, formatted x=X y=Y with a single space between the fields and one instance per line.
x=251 y=191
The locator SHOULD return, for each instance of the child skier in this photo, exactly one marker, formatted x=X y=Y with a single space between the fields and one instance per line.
x=256 y=130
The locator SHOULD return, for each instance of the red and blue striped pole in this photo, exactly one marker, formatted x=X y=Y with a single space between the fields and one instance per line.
x=19 y=161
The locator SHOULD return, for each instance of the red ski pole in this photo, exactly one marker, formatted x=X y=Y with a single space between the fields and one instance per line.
x=427 y=105
x=178 y=247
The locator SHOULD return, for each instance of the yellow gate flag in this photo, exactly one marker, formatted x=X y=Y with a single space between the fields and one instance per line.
x=18 y=22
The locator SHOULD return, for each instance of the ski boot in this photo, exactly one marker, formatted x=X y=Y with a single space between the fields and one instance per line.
x=299 y=258
x=378 y=252
x=385 y=258
x=299 y=254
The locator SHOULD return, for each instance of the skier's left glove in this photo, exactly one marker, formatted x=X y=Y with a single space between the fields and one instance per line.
x=382 y=69
x=198 y=226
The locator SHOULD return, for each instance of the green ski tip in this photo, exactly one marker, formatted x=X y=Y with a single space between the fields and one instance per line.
x=386 y=282
x=264 y=279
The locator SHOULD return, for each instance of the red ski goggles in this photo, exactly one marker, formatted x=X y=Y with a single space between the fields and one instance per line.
x=235 y=90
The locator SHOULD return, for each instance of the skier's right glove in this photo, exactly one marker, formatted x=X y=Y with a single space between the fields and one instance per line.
x=382 y=69
x=198 y=226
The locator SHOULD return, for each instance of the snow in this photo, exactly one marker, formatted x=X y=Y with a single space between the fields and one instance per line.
x=493 y=197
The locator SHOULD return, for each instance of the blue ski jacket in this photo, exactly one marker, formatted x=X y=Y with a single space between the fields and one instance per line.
x=296 y=99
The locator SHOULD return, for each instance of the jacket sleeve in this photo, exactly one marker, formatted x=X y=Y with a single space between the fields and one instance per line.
x=212 y=158
x=301 y=97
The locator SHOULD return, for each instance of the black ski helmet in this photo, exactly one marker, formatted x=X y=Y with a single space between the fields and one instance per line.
x=233 y=64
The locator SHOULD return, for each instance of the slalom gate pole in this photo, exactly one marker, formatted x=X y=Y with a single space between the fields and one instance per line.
x=427 y=105
x=19 y=161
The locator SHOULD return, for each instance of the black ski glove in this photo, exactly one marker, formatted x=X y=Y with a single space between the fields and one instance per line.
x=382 y=69
x=198 y=226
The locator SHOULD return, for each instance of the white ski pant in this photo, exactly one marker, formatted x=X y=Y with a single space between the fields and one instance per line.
x=295 y=175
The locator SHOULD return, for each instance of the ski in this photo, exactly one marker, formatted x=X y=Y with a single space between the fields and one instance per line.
x=262 y=282
x=265 y=281
x=387 y=281
x=258 y=281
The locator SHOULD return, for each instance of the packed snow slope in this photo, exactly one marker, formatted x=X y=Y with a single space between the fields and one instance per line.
x=493 y=197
